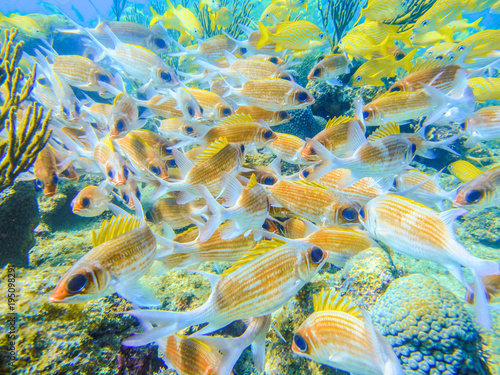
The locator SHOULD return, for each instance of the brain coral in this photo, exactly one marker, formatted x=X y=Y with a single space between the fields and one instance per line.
x=429 y=329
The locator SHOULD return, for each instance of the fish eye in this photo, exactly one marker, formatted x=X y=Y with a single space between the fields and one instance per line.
x=399 y=56
x=321 y=35
x=267 y=14
x=268 y=134
x=362 y=213
x=125 y=197
x=138 y=194
x=166 y=76
x=226 y=111
x=168 y=150
x=77 y=108
x=155 y=170
x=358 y=78
x=395 y=88
x=120 y=125
x=171 y=163
x=302 y=96
x=269 y=180
x=305 y=173
x=312 y=151
x=317 y=255
x=243 y=50
x=66 y=111
x=283 y=115
x=201 y=110
x=425 y=23
x=189 y=129
x=265 y=225
x=110 y=173
x=300 y=343
x=286 y=77
x=125 y=172
x=39 y=183
x=55 y=179
x=317 y=72
x=463 y=126
x=191 y=111
x=461 y=48
x=274 y=60
x=413 y=148
x=452 y=57
x=76 y=283
x=85 y=202
x=439 y=57
x=474 y=196
x=160 y=43
x=350 y=214
x=411 y=38
x=242 y=148
x=366 y=115
x=103 y=78
x=195 y=30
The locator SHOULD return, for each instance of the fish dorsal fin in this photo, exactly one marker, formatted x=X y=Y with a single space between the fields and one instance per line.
x=235 y=119
x=139 y=139
x=199 y=342
x=108 y=141
x=252 y=182
x=464 y=171
x=334 y=301
x=114 y=227
x=211 y=150
x=389 y=128
x=337 y=120
x=423 y=64
x=312 y=184
x=261 y=248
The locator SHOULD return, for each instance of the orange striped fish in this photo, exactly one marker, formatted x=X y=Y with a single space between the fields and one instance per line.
x=271 y=117
x=413 y=229
x=288 y=147
x=91 y=200
x=124 y=116
x=175 y=215
x=484 y=125
x=256 y=285
x=482 y=192
x=341 y=335
x=124 y=250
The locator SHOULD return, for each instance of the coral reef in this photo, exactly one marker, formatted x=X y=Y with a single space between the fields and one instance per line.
x=340 y=13
x=18 y=217
x=26 y=139
x=241 y=15
x=303 y=124
x=429 y=329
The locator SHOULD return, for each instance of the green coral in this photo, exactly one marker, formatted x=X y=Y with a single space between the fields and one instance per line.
x=429 y=329
x=26 y=139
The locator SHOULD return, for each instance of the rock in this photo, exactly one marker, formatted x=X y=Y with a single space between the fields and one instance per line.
x=428 y=328
x=18 y=218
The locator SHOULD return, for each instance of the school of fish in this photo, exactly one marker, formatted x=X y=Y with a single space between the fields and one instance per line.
x=176 y=138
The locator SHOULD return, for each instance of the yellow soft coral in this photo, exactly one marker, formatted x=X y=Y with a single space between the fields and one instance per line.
x=26 y=138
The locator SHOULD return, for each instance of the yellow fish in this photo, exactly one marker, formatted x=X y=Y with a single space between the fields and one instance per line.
x=295 y=36
x=341 y=335
x=485 y=88
x=381 y=10
x=293 y=4
x=371 y=72
x=275 y=13
x=440 y=14
x=463 y=170
x=180 y=19
x=223 y=19
x=212 y=5
x=26 y=24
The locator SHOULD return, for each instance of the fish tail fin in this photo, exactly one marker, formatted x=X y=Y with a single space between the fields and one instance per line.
x=328 y=160
x=264 y=36
x=383 y=47
x=156 y=17
x=475 y=24
x=170 y=5
x=406 y=37
x=217 y=217
x=3 y=18
x=483 y=268
x=447 y=33
x=406 y=61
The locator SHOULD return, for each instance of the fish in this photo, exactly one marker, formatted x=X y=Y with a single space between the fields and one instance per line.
x=382 y=10
x=154 y=39
x=464 y=24
x=259 y=283
x=483 y=126
x=336 y=137
x=341 y=335
x=463 y=170
x=273 y=94
x=124 y=116
x=194 y=354
x=288 y=148
x=26 y=24
x=293 y=4
x=160 y=145
x=445 y=34
x=313 y=202
x=329 y=68
x=485 y=88
x=177 y=216
x=212 y=5
x=371 y=72
x=48 y=167
x=222 y=19
x=481 y=192
x=382 y=159
x=214 y=107
x=272 y=118
x=415 y=230
x=210 y=49
x=123 y=251
x=377 y=32
x=295 y=36
x=91 y=200
x=440 y=14
x=479 y=44
x=275 y=13
x=246 y=211
x=428 y=191
x=180 y=19
x=358 y=45
x=491 y=285
x=441 y=77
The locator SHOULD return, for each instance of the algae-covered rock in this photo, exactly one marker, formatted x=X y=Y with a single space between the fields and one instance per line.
x=428 y=328
x=18 y=219
x=303 y=124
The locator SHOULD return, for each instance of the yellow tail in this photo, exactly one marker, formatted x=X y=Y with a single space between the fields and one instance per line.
x=264 y=36
x=384 y=45
x=156 y=17
x=406 y=61
x=406 y=37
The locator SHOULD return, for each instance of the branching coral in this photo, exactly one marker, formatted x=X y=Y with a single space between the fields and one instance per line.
x=241 y=15
x=415 y=9
x=118 y=7
x=24 y=140
x=340 y=13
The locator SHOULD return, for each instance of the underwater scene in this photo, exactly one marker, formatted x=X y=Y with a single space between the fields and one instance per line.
x=247 y=187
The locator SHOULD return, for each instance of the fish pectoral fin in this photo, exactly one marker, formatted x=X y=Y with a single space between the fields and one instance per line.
x=334 y=82
x=137 y=293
